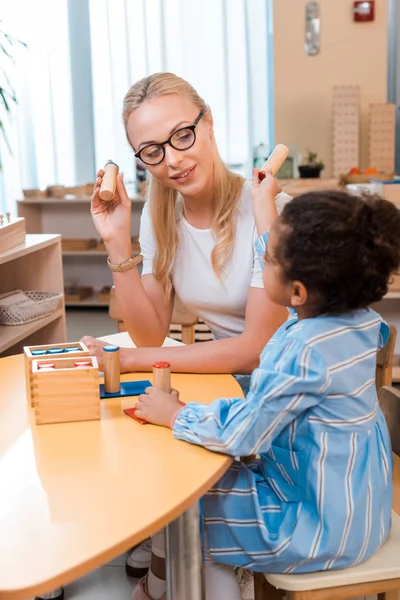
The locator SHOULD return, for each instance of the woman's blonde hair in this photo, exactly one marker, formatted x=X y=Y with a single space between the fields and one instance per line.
x=163 y=200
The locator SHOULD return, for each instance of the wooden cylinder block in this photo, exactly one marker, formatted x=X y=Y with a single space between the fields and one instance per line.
x=111 y=360
x=109 y=183
x=162 y=376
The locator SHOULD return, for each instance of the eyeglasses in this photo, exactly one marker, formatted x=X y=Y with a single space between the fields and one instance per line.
x=181 y=139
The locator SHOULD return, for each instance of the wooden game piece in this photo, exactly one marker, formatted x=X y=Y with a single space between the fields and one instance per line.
x=162 y=376
x=109 y=183
x=382 y=137
x=64 y=393
x=274 y=161
x=111 y=360
x=346 y=128
x=78 y=364
x=35 y=352
x=8 y=214
x=1 y=220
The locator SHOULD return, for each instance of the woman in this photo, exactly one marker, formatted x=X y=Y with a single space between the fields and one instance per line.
x=197 y=238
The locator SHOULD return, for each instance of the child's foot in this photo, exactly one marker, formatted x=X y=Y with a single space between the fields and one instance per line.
x=138 y=562
x=141 y=591
x=246 y=583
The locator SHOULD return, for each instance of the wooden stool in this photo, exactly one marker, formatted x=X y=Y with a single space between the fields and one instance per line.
x=378 y=575
x=384 y=360
x=180 y=316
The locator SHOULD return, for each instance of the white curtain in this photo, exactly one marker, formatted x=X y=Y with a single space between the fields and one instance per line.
x=40 y=128
x=220 y=46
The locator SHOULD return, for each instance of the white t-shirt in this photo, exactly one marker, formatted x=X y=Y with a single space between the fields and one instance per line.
x=220 y=304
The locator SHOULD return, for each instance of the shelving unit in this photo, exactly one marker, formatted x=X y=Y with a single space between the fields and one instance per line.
x=34 y=265
x=71 y=218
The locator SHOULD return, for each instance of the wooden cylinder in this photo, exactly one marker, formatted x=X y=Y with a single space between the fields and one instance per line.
x=111 y=369
x=109 y=183
x=162 y=376
x=275 y=160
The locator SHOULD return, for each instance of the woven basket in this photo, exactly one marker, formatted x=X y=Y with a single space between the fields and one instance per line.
x=44 y=303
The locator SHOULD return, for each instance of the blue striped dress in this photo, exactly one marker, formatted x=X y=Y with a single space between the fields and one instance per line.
x=319 y=495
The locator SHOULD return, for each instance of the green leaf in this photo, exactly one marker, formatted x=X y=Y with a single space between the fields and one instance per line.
x=13 y=39
x=5 y=137
x=6 y=105
x=5 y=52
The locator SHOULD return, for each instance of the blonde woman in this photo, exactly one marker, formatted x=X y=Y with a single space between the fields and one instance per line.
x=197 y=236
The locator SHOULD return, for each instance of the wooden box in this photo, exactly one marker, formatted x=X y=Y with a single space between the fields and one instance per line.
x=12 y=234
x=104 y=294
x=78 y=245
x=29 y=357
x=66 y=392
x=77 y=293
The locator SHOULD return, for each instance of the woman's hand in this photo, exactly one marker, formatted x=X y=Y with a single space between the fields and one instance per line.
x=96 y=346
x=158 y=407
x=112 y=219
x=263 y=200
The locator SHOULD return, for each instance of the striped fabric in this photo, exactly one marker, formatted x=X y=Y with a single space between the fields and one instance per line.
x=319 y=495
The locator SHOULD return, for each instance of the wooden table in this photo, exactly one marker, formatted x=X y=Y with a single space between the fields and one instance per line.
x=73 y=496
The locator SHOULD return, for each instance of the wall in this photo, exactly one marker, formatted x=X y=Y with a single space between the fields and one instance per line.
x=351 y=53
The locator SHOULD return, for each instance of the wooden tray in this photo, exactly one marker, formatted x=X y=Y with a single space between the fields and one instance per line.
x=104 y=294
x=135 y=246
x=69 y=245
x=365 y=177
x=77 y=293
x=34 y=194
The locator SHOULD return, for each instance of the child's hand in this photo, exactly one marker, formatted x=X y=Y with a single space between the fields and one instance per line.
x=158 y=407
x=263 y=196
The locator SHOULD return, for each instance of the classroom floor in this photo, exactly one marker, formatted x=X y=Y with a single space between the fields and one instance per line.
x=109 y=581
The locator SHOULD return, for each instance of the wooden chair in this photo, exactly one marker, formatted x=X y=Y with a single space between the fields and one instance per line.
x=180 y=316
x=379 y=575
x=384 y=361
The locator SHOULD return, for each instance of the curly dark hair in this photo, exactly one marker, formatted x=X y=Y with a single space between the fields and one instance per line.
x=342 y=247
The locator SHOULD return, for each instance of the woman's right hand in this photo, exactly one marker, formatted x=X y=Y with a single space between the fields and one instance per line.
x=111 y=219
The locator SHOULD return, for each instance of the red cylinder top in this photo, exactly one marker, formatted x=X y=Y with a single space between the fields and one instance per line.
x=161 y=365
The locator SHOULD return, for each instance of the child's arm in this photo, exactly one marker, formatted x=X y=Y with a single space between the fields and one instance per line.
x=279 y=393
x=284 y=386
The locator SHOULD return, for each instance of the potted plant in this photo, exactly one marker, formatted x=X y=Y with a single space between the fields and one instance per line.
x=7 y=93
x=312 y=167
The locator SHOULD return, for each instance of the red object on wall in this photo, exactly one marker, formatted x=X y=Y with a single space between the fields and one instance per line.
x=364 y=11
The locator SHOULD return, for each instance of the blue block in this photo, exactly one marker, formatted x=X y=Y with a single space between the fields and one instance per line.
x=128 y=388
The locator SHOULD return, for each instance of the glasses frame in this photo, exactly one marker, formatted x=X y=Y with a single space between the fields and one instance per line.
x=168 y=141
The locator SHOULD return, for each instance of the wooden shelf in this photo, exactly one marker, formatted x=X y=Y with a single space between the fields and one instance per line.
x=12 y=334
x=392 y=296
x=34 y=265
x=33 y=243
x=85 y=253
x=72 y=200
x=396 y=373
x=90 y=302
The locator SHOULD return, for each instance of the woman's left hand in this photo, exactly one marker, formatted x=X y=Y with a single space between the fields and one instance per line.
x=96 y=346
x=158 y=407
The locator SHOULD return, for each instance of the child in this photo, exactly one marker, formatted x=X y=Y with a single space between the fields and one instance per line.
x=319 y=495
